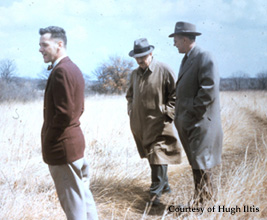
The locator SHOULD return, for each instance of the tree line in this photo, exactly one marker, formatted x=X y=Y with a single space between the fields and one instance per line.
x=110 y=77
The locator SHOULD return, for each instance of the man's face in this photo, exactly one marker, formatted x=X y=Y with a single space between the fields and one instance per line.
x=144 y=61
x=49 y=48
x=179 y=42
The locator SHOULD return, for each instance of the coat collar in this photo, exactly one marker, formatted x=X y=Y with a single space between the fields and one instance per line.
x=65 y=59
x=152 y=65
x=188 y=62
x=58 y=60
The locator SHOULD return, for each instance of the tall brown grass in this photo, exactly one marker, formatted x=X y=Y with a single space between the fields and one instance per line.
x=119 y=178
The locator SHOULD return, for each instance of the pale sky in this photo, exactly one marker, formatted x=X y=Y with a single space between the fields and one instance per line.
x=234 y=31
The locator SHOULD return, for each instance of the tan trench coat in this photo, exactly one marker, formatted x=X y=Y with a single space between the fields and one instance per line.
x=151 y=100
x=197 y=110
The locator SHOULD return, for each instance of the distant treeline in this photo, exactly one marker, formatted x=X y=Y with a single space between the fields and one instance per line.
x=27 y=89
x=243 y=83
x=112 y=77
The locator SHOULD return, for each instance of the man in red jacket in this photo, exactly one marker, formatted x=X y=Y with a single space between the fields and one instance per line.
x=63 y=142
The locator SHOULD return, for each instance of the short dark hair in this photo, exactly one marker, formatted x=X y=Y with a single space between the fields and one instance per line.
x=56 y=32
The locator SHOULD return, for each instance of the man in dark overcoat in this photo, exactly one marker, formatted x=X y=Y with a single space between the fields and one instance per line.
x=151 y=100
x=197 y=110
x=63 y=142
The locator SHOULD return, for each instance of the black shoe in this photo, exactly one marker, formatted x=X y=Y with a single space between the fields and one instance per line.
x=167 y=189
x=155 y=201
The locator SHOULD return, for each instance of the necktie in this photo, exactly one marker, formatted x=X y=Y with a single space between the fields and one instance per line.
x=50 y=67
x=184 y=59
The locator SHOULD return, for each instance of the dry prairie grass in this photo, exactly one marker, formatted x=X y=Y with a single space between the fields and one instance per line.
x=119 y=178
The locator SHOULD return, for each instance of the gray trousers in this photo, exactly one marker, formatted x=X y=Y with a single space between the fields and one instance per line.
x=159 y=179
x=72 y=185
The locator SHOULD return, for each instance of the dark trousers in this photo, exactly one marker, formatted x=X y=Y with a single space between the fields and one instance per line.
x=203 y=185
x=159 y=179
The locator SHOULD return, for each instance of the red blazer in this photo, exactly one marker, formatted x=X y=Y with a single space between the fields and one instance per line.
x=62 y=138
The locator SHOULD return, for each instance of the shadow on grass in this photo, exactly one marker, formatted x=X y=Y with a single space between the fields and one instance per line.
x=125 y=195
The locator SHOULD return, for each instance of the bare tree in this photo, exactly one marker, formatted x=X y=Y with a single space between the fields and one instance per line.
x=7 y=69
x=112 y=76
x=262 y=80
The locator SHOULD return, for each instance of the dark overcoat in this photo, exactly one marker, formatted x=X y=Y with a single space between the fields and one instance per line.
x=151 y=100
x=62 y=138
x=197 y=110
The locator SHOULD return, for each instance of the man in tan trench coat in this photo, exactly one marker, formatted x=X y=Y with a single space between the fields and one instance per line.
x=151 y=100
x=197 y=110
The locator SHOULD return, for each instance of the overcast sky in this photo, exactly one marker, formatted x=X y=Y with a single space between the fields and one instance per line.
x=234 y=31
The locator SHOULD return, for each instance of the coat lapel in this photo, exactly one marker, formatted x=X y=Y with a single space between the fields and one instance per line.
x=50 y=75
x=189 y=62
x=48 y=81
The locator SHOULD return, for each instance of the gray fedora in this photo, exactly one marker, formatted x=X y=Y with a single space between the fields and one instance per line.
x=185 y=28
x=141 y=48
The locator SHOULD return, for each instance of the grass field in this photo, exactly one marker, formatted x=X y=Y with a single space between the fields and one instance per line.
x=120 y=180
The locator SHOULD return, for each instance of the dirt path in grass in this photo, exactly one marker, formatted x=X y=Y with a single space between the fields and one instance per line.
x=131 y=201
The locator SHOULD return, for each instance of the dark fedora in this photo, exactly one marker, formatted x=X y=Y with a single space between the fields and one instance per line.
x=141 y=48
x=185 y=28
